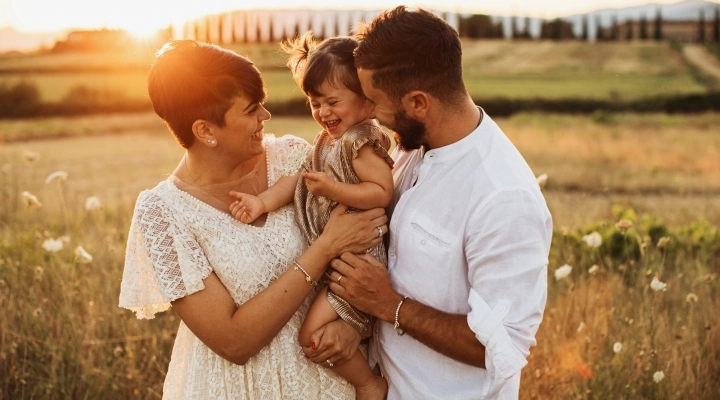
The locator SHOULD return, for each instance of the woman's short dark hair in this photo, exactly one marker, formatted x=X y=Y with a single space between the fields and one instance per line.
x=412 y=50
x=331 y=60
x=190 y=80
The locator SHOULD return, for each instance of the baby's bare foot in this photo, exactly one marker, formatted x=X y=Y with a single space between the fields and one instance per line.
x=376 y=390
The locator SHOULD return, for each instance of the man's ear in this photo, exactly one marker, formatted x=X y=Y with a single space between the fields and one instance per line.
x=203 y=133
x=416 y=103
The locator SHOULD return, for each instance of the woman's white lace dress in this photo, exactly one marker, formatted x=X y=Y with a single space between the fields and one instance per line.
x=175 y=241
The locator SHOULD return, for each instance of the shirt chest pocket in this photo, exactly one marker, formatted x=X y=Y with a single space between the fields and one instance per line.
x=434 y=247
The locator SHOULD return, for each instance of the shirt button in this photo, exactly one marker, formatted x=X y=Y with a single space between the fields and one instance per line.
x=423 y=242
x=502 y=308
x=392 y=253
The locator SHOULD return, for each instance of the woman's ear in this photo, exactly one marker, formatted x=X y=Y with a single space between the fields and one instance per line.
x=416 y=103
x=203 y=133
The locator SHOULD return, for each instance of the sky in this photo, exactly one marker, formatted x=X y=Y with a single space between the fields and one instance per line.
x=146 y=16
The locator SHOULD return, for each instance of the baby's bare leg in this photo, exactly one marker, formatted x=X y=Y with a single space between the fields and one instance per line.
x=356 y=370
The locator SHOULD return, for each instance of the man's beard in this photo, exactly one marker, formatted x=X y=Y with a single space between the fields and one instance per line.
x=409 y=132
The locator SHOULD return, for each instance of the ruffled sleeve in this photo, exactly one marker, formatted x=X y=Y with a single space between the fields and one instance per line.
x=366 y=133
x=163 y=261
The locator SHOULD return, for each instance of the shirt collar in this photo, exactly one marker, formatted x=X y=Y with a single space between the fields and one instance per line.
x=459 y=148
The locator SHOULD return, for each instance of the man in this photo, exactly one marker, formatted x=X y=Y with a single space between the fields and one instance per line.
x=466 y=283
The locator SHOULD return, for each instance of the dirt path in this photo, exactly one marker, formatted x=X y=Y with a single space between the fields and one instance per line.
x=698 y=56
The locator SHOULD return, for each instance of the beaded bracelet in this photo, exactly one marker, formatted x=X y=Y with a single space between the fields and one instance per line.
x=308 y=278
x=399 y=330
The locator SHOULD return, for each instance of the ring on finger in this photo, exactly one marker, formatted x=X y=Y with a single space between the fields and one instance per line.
x=338 y=281
x=379 y=232
x=330 y=364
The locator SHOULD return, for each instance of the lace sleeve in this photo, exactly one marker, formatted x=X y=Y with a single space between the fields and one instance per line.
x=289 y=154
x=163 y=261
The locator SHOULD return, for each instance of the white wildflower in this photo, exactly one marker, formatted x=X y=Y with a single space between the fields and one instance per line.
x=30 y=157
x=658 y=376
x=593 y=270
x=65 y=239
x=57 y=176
x=593 y=240
x=657 y=286
x=691 y=298
x=562 y=272
x=92 y=203
x=617 y=347
x=581 y=327
x=542 y=180
x=52 y=245
x=663 y=241
x=623 y=225
x=82 y=255
x=31 y=200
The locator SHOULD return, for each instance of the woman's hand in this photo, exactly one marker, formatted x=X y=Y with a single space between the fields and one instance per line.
x=337 y=341
x=353 y=232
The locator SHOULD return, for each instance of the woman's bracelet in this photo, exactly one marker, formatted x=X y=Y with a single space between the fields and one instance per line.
x=308 y=278
x=399 y=330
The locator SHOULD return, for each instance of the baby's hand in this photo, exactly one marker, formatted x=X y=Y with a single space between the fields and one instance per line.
x=319 y=183
x=247 y=208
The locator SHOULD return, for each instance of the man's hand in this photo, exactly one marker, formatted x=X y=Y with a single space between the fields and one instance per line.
x=319 y=183
x=337 y=341
x=363 y=281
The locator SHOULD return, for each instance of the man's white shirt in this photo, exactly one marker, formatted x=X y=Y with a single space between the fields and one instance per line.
x=470 y=234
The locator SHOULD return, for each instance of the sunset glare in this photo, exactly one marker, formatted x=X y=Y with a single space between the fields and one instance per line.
x=142 y=17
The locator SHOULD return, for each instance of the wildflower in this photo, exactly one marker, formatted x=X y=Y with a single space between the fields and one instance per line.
x=39 y=271
x=562 y=272
x=2 y=283
x=623 y=225
x=658 y=376
x=593 y=240
x=92 y=203
x=37 y=312
x=581 y=327
x=65 y=239
x=617 y=347
x=30 y=157
x=593 y=270
x=118 y=351
x=657 y=286
x=52 y=245
x=663 y=241
x=82 y=256
x=691 y=298
x=542 y=180
x=31 y=200
x=57 y=176
x=6 y=168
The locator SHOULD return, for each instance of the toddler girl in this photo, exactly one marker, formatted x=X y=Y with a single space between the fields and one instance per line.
x=348 y=164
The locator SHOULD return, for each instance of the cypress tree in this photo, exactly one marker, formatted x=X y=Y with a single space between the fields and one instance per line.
x=643 y=28
x=630 y=34
x=658 y=25
x=716 y=26
x=584 y=35
x=701 y=27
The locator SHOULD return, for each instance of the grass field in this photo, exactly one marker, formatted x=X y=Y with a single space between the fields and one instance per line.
x=517 y=70
x=63 y=336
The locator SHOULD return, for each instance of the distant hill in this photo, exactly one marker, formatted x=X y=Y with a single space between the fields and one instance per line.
x=682 y=11
x=12 y=40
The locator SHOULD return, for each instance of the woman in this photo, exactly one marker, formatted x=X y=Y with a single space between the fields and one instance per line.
x=241 y=290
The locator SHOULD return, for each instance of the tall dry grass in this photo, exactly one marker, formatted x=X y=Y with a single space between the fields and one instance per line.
x=63 y=336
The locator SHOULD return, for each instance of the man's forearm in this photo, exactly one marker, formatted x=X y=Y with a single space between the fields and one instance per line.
x=448 y=334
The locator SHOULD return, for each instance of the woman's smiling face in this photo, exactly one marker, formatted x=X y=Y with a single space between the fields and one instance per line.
x=339 y=108
x=243 y=130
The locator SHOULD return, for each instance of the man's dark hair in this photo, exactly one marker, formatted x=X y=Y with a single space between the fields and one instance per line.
x=412 y=50
x=190 y=80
